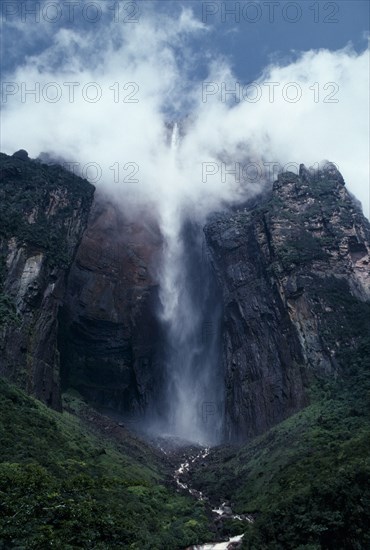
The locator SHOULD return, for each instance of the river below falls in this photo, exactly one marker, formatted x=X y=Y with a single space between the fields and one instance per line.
x=233 y=542
x=189 y=457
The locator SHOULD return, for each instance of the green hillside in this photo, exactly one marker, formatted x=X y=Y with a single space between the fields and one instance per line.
x=307 y=481
x=63 y=487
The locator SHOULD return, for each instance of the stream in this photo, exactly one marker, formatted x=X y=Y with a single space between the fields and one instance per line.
x=224 y=511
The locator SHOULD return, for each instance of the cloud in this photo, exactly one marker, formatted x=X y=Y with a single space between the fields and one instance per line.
x=106 y=96
x=328 y=120
x=120 y=83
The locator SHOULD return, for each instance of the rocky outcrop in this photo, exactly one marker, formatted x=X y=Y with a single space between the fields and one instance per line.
x=81 y=305
x=284 y=265
x=109 y=340
x=43 y=213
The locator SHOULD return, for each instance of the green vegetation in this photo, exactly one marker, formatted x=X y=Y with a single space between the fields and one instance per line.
x=303 y=249
x=319 y=200
x=346 y=324
x=63 y=487
x=8 y=313
x=28 y=193
x=307 y=481
x=323 y=188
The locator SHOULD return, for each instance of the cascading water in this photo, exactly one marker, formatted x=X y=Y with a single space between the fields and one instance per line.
x=190 y=315
x=174 y=138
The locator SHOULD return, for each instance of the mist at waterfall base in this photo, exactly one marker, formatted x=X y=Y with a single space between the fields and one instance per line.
x=189 y=405
x=157 y=56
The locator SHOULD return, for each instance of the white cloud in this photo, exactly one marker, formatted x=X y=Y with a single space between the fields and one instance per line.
x=155 y=54
x=154 y=62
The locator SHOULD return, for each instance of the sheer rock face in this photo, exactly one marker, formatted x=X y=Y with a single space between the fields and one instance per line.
x=79 y=292
x=275 y=264
x=43 y=212
x=110 y=335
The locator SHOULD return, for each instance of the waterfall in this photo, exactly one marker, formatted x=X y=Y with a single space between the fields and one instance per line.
x=175 y=137
x=190 y=316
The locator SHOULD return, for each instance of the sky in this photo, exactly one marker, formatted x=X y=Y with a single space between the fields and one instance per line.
x=256 y=87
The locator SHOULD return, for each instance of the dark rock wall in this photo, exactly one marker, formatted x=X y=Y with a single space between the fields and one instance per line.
x=81 y=305
x=43 y=213
x=110 y=336
x=276 y=262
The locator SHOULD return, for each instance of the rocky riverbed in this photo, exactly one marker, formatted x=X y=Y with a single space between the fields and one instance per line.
x=186 y=457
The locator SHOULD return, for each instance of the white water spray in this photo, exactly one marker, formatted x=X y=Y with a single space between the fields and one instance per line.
x=190 y=369
x=175 y=136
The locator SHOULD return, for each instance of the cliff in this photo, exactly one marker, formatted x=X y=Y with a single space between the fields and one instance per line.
x=286 y=265
x=43 y=213
x=79 y=292
x=78 y=300
x=109 y=336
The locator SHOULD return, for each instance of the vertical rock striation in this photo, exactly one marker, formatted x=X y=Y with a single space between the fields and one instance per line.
x=82 y=305
x=284 y=266
x=109 y=338
x=43 y=213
